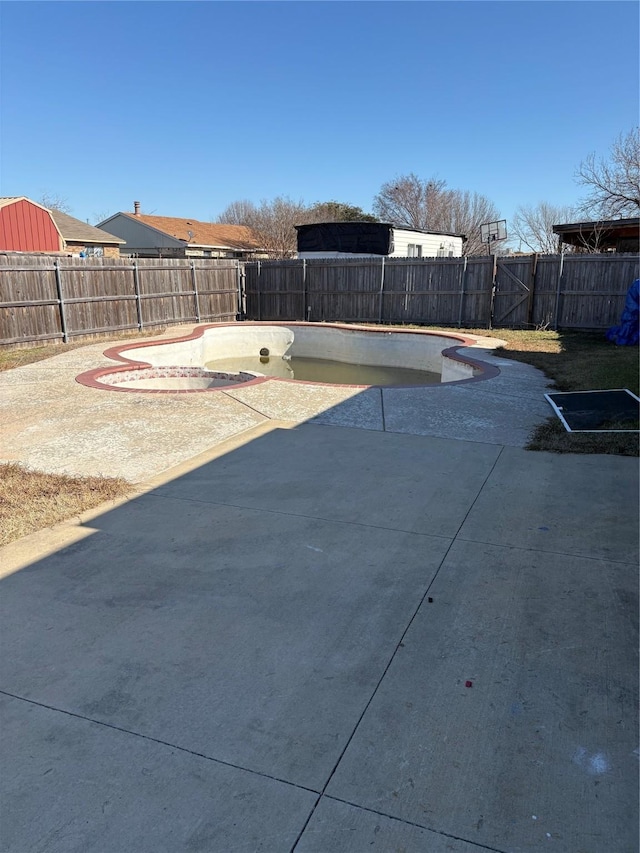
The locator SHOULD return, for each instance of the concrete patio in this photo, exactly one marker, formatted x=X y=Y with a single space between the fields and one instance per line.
x=368 y=623
x=52 y=423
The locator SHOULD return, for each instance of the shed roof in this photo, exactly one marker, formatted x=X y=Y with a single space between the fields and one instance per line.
x=623 y=234
x=12 y=199
x=196 y=233
x=608 y=224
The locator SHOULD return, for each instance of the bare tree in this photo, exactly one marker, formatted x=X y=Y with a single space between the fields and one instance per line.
x=237 y=213
x=614 y=184
x=533 y=225
x=272 y=222
x=465 y=214
x=101 y=216
x=410 y=201
x=430 y=206
x=53 y=201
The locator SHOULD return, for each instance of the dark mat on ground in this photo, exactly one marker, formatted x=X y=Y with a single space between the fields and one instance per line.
x=596 y=410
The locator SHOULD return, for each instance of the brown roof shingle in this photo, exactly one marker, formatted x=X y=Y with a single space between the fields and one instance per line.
x=207 y=234
x=81 y=232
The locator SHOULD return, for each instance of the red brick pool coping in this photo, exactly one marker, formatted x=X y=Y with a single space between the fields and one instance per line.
x=91 y=378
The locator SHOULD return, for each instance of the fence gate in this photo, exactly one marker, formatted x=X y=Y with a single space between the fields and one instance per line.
x=514 y=291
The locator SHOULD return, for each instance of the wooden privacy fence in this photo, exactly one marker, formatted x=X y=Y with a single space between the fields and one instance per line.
x=46 y=298
x=530 y=291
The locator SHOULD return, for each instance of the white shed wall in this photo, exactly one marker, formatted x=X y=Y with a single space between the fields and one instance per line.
x=433 y=245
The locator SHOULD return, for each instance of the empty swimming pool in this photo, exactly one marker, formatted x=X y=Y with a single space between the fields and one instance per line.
x=218 y=356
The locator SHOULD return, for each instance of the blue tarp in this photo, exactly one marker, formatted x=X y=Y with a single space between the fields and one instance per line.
x=627 y=333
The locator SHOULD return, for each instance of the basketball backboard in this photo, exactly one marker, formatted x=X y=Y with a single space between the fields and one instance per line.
x=491 y=232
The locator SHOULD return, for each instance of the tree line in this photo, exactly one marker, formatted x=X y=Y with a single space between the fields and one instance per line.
x=409 y=201
x=612 y=185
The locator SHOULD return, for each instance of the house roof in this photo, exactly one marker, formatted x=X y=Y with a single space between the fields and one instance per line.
x=202 y=234
x=81 y=232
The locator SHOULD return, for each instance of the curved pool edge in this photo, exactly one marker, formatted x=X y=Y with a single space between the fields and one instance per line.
x=91 y=378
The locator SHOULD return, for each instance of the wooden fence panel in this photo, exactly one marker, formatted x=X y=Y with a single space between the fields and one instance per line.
x=218 y=291
x=593 y=290
x=347 y=289
x=476 y=305
x=426 y=293
x=166 y=291
x=547 y=283
x=275 y=290
x=111 y=287
x=31 y=298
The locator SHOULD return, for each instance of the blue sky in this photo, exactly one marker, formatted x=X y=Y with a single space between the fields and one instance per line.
x=188 y=106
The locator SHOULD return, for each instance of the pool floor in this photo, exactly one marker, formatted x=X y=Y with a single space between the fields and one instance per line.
x=326 y=371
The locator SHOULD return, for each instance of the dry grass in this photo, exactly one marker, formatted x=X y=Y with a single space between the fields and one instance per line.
x=31 y=500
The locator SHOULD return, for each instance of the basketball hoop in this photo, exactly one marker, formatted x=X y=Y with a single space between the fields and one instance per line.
x=493 y=232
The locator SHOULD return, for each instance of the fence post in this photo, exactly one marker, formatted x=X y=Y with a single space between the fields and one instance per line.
x=195 y=290
x=259 y=292
x=462 y=284
x=304 y=289
x=63 y=318
x=136 y=288
x=532 y=288
x=557 y=305
x=494 y=272
x=239 y=312
x=381 y=292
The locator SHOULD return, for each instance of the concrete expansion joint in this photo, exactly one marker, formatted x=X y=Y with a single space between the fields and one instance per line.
x=522 y=548
x=245 y=404
x=406 y=822
x=340 y=521
x=168 y=744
